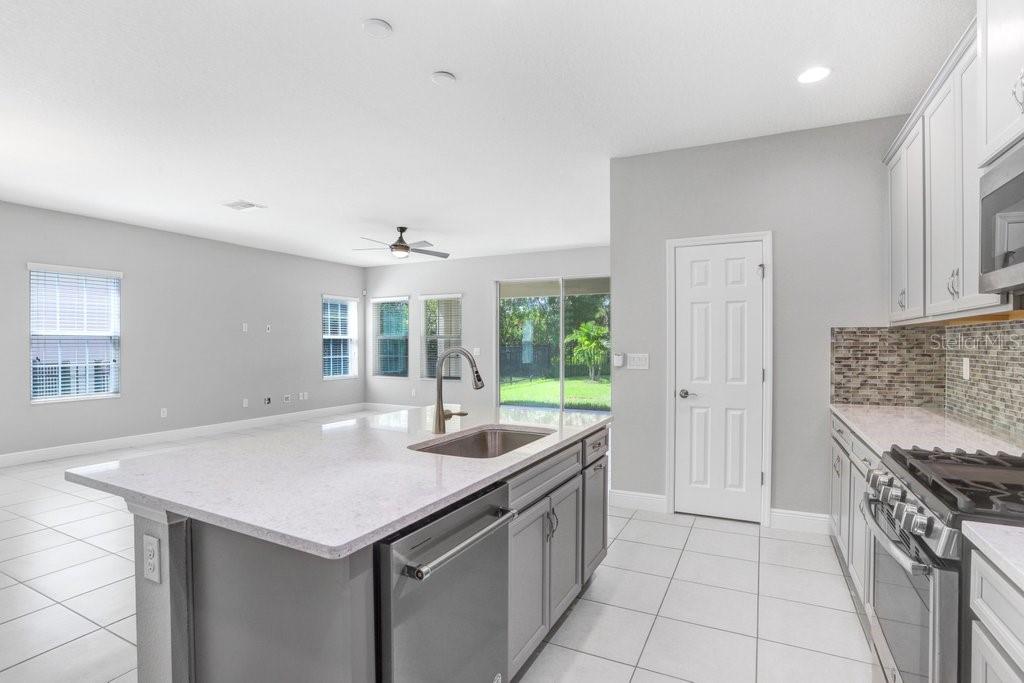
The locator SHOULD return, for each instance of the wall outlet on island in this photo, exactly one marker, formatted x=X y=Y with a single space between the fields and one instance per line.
x=163 y=412
x=245 y=403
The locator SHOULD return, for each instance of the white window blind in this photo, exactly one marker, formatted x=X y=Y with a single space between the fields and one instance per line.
x=390 y=337
x=75 y=333
x=442 y=330
x=339 y=337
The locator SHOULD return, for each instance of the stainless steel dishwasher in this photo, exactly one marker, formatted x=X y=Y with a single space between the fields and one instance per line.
x=442 y=595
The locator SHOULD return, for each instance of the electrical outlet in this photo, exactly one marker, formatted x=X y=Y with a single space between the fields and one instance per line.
x=414 y=392
x=965 y=371
x=245 y=403
x=476 y=351
x=163 y=412
x=151 y=558
x=245 y=327
x=266 y=401
x=287 y=398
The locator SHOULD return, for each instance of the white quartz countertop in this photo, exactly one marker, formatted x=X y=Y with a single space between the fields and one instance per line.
x=882 y=426
x=1002 y=544
x=327 y=485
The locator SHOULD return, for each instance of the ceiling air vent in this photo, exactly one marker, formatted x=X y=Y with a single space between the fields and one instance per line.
x=244 y=205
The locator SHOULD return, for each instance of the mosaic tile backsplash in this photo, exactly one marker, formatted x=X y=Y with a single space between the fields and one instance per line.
x=993 y=398
x=888 y=366
x=923 y=366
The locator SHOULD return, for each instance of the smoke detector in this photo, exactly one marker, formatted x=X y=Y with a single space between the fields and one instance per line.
x=244 y=205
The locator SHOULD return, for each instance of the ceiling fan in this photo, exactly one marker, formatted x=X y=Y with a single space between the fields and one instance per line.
x=401 y=249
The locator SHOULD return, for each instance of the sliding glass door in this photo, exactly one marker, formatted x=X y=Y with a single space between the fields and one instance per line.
x=553 y=343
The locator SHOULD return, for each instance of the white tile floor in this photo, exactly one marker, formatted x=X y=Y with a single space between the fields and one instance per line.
x=697 y=599
x=67 y=586
x=677 y=598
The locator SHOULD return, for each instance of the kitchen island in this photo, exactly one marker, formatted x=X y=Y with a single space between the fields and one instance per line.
x=254 y=552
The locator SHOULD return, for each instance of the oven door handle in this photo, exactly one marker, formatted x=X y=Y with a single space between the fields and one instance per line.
x=905 y=561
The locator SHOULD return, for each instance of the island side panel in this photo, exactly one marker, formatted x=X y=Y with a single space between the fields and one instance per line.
x=263 y=612
x=163 y=606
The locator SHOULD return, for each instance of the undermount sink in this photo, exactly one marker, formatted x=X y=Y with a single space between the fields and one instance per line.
x=482 y=442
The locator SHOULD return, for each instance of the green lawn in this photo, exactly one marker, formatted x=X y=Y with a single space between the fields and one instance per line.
x=580 y=393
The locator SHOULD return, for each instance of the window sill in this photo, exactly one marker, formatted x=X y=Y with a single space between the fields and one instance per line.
x=71 y=399
x=389 y=376
x=445 y=379
x=331 y=378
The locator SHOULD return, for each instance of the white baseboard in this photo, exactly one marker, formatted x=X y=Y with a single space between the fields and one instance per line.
x=136 y=440
x=795 y=520
x=652 y=502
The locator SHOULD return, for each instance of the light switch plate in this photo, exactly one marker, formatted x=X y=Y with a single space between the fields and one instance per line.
x=151 y=558
x=637 y=361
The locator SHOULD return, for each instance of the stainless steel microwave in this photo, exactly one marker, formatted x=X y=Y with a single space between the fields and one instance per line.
x=1002 y=224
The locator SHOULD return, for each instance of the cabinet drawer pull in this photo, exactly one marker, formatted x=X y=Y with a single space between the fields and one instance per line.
x=598 y=467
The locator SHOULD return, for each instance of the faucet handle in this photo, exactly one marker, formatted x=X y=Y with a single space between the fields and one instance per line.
x=448 y=414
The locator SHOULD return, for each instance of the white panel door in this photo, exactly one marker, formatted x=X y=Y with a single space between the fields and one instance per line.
x=719 y=387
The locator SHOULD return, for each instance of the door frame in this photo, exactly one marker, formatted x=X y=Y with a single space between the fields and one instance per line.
x=765 y=238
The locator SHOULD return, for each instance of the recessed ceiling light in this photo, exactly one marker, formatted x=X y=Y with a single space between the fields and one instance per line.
x=377 y=28
x=442 y=78
x=814 y=74
x=244 y=205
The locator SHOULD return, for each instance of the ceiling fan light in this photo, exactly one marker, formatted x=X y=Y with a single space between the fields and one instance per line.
x=400 y=253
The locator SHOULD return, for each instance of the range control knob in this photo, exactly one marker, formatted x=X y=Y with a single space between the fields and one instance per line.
x=879 y=478
x=896 y=495
x=917 y=524
x=898 y=510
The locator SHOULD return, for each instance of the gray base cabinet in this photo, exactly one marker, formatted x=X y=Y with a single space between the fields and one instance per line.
x=595 y=516
x=528 y=557
x=545 y=562
x=566 y=546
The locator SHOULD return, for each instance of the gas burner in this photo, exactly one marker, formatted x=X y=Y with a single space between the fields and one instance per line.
x=978 y=483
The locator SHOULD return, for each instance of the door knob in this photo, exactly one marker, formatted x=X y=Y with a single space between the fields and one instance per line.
x=683 y=393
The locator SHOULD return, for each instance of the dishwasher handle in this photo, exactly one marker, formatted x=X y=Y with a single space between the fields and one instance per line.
x=421 y=572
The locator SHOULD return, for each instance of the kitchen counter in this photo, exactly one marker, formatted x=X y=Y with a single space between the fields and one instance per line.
x=1002 y=544
x=882 y=426
x=327 y=486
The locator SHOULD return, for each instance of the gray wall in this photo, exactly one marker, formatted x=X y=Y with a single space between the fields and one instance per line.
x=475 y=279
x=183 y=302
x=823 y=194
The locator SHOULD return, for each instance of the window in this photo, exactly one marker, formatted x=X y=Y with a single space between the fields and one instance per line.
x=442 y=330
x=553 y=343
x=75 y=333
x=390 y=337
x=339 y=332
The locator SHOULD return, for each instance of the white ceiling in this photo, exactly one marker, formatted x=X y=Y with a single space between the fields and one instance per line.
x=156 y=112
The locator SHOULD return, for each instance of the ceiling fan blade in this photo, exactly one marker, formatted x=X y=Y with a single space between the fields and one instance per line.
x=369 y=239
x=425 y=252
x=421 y=244
x=372 y=249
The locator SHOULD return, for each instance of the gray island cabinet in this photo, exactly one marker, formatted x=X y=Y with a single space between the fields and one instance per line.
x=255 y=552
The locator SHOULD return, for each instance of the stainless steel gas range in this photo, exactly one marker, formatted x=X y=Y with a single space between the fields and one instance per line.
x=914 y=507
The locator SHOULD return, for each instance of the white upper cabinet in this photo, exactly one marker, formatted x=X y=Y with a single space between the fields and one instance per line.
x=942 y=200
x=934 y=204
x=1001 y=75
x=951 y=134
x=906 y=225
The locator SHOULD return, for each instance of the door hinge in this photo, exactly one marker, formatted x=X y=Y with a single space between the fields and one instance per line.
x=762 y=479
x=762 y=267
x=764 y=375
